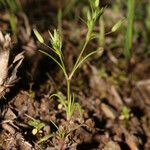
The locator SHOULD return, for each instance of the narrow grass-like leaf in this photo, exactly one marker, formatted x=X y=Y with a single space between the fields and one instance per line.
x=71 y=106
x=129 y=32
x=13 y=5
x=36 y=124
x=54 y=124
x=117 y=26
x=50 y=56
x=60 y=98
x=12 y=22
x=45 y=138
x=96 y=3
x=81 y=61
x=38 y=36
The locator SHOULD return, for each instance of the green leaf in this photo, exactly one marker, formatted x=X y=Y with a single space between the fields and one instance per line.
x=40 y=126
x=54 y=124
x=33 y=123
x=129 y=31
x=38 y=36
x=117 y=26
x=56 y=42
x=61 y=99
x=36 y=124
x=57 y=62
x=88 y=14
x=85 y=58
x=96 y=3
x=126 y=112
x=45 y=138
x=52 y=59
x=13 y=23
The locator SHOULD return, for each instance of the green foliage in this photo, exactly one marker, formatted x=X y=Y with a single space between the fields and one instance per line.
x=56 y=42
x=101 y=35
x=117 y=25
x=38 y=36
x=70 y=106
x=125 y=113
x=91 y=17
x=36 y=124
x=129 y=32
x=45 y=138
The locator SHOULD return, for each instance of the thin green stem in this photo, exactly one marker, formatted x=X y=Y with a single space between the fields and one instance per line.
x=49 y=47
x=63 y=65
x=68 y=99
x=68 y=90
x=79 y=57
x=129 y=32
x=58 y=63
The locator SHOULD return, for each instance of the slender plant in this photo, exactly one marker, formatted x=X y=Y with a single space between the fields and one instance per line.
x=93 y=13
x=129 y=31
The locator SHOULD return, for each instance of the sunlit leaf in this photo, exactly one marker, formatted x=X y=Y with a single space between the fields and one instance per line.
x=117 y=26
x=36 y=124
x=38 y=36
x=96 y=3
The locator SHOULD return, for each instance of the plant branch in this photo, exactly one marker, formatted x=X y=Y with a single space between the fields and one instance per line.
x=78 y=59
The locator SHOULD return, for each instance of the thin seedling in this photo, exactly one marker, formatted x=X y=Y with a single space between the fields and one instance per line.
x=61 y=136
x=93 y=13
x=126 y=113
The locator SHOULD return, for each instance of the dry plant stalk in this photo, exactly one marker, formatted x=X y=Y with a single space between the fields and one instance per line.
x=5 y=81
x=5 y=43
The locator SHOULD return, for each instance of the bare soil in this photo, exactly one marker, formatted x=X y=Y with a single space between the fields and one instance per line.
x=103 y=86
